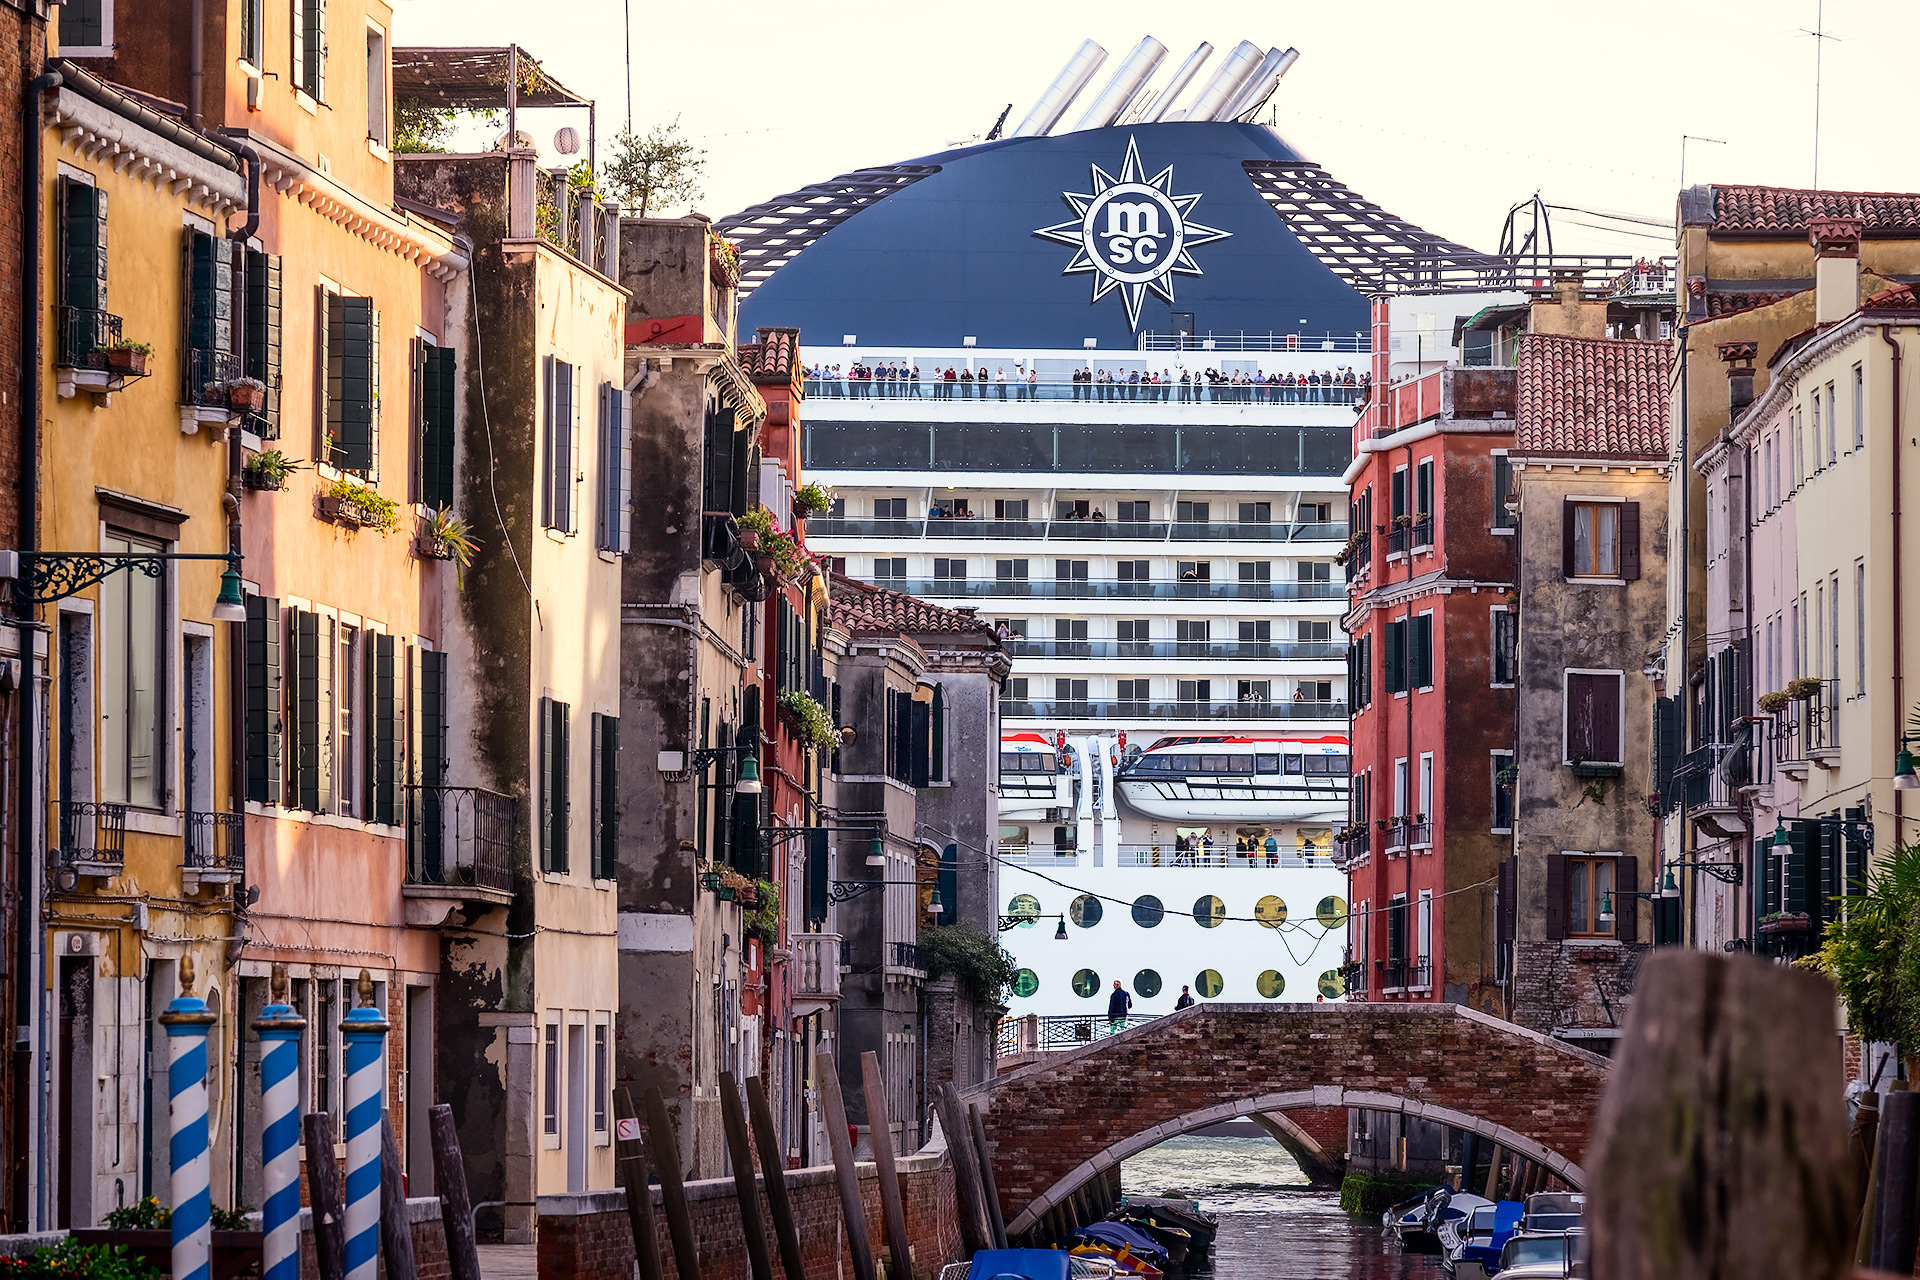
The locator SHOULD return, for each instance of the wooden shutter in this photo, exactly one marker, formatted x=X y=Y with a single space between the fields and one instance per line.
x=1666 y=746
x=937 y=738
x=298 y=62
x=327 y=709
x=431 y=712
x=1506 y=915
x=604 y=784
x=573 y=455
x=1626 y=908
x=1801 y=841
x=313 y=48
x=1556 y=896
x=1400 y=492
x=546 y=441
x=562 y=789
x=262 y=328
x=1581 y=738
x=1607 y=744
x=1566 y=538
x=352 y=381
x=1630 y=541
x=437 y=368
x=546 y=784
x=1396 y=669
x=603 y=528
x=85 y=231
x=817 y=866
x=388 y=707
x=304 y=629
x=622 y=459
x=263 y=700
x=1420 y=651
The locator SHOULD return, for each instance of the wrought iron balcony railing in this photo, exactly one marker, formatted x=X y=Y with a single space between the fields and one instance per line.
x=460 y=836
x=907 y=955
x=85 y=336
x=216 y=842
x=93 y=837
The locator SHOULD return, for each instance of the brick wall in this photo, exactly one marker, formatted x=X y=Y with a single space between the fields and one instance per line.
x=429 y=1241
x=588 y=1236
x=1560 y=985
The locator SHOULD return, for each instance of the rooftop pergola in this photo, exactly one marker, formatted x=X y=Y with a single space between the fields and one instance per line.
x=483 y=79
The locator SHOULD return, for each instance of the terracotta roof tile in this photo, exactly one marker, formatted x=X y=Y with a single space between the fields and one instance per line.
x=1792 y=211
x=1592 y=397
x=1899 y=298
x=864 y=609
x=772 y=357
x=1725 y=304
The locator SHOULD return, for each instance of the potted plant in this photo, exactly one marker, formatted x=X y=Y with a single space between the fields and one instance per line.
x=445 y=536
x=1805 y=689
x=723 y=257
x=812 y=724
x=248 y=395
x=1506 y=777
x=1773 y=702
x=269 y=469
x=127 y=356
x=1402 y=521
x=1785 y=922
x=356 y=505
x=812 y=499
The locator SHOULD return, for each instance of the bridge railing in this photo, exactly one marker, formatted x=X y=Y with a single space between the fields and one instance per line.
x=1035 y=1034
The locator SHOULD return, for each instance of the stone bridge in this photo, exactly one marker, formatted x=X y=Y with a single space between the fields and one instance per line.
x=1073 y=1115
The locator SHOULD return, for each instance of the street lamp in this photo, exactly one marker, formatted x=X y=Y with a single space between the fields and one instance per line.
x=934 y=906
x=748 y=783
x=42 y=577
x=877 y=853
x=1904 y=776
x=229 y=605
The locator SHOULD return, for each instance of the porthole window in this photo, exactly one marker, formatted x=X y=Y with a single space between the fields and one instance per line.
x=1271 y=911
x=1086 y=984
x=1207 y=984
x=1332 y=912
x=1085 y=911
x=1026 y=982
x=1147 y=911
x=1270 y=984
x=1025 y=908
x=1208 y=912
x=1330 y=985
x=1146 y=984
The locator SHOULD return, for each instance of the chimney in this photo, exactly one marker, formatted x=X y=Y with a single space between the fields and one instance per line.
x=1836 y=268
x=1739 y=358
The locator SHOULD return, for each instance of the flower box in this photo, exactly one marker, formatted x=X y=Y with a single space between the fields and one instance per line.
x=351 y=515
x=433 y=549
x=710 y=880
x=1597 y=770
x=726 y=893
x=260 y=483
x=247 y=399
x=1787 y=922
x=127 y=360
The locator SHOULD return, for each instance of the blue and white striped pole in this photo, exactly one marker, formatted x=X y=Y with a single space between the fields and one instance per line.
x=365 y=1033
x=187 y=1022
x=280 y=1027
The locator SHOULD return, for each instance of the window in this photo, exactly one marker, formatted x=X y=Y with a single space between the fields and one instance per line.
x=1134 y=571
x=1423 y=977
x=263 y=700
x=376 y=86
x=1016 y=691
x=1138 y=512
x=1859 y=408
x=1401 y=786
x=1833 y=425
x=1423 y=802
x=889 y=508
x=253 y=32
x=1065 y=690
x=209 y=295
x=1194 y=690
x=1308 y=630
x=1256 y=571
x=1593 y=703
x=555 y=791
x=310 y=672
x=132 y=642
x=1601 y=539
x=1581 y=897
x=1819 y=629
x=1195 y=570
x=346 y=712
x=1069 y=631
x=1859 y=627
x=1506 y=632
x=560 y=432
x=1400 y=493
x=1502 y=792
x=1502 y=490
x=1254 y=690
x=1360 y=671
x=1256 y=513
x=1193 y=512
x=1191 y=631
x=1818 y=463
x=1010 y=508
x=1313 y=571
x=616 y=468
x=1133 y=690
x=600 y=1080
x=1394 y=677
x=951 y=569
x=1070 y=570
x=604 y=840
x=350 y=354
x=1132 y=631
x=1314 y=513
x=1260 y=632
x=310 y=48
x=550 y=1084
x=83 y=279
x=1423 y=490
x=1073 y=509
x=86 y=24
x=1010 y=570
x=1833 y=634
x=387 y=710
x=889 y=568
x=1410 y=653
x=260 y=353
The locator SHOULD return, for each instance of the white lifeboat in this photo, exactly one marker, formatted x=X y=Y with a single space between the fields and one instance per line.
x=1209 y=779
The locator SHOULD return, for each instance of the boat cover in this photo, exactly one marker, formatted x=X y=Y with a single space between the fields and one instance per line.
x=1026 y=1264
x=1118 y=1235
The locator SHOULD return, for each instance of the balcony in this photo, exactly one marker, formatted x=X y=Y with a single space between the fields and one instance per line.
x=816 y=972
x=1405 y=975
x=948 y=527
x=1085 y=589
x=216 y=851
x=1219 y=650
x=1805 y=732
x=1351 y=850
x=88 y=356
x=1710 y=778
x=93 y=838
x=1354 y=975
x=1057 y=710
x=459 y=851
x=906 y=959
x=1414 y=536
x=1059 y=389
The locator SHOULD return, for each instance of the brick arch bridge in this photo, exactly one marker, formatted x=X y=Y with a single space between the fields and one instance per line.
x=1062 y=1120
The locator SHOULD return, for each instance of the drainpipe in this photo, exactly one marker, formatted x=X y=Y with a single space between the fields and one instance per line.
x=196 y=62
x=1686 y=588
x=1899 y=678
x=26 y=977
x=1753 y=660
x=1413 y=775
x=237 y=641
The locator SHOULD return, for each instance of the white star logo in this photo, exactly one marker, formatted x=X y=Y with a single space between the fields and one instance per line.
x=1132 y=234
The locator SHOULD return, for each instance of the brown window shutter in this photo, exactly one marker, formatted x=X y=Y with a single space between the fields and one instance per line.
x=1606 y=745
x=1580 y=714
x=1556 y=896
x=1566 y=538
x=1630 y=540
x=1504 y=892
x=1626 y=908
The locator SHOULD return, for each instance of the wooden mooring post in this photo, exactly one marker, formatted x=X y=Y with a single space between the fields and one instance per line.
x=753 y=1228
x=665 y=1145
x=1720 y=1148
x=630 y=1162
x=846 y=1173
x=773 y=1167
x=988 y=1186
x=976 y=1232
x=880 y=1126
x=396 y=1233
x=456 y=1202
x=323 y=1194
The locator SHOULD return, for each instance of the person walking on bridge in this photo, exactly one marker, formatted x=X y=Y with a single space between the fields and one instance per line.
x=1119 y=1004
x=1185 y=1000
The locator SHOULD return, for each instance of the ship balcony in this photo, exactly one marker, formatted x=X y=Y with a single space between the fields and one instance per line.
x=1089 y=589
x=946 y=528
x=816 y=972
x=1217 y=650
x=1074 y=710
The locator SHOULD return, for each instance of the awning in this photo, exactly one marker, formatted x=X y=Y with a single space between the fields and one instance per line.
x=477 y=79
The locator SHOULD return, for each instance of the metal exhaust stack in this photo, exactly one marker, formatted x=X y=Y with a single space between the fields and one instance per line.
x=1176 y=86
x=1226 y=82
x=1261 y=85
x=1134 y=72
x=1060 y=94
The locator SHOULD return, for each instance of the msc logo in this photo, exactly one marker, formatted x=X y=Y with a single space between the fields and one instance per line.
x=1132 y=234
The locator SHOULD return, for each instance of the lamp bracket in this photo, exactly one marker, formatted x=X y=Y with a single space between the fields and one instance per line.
x=46 y=576
x=847 y=890
x=1724 y=872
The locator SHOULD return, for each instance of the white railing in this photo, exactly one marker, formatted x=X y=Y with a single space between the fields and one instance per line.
x=816 y=970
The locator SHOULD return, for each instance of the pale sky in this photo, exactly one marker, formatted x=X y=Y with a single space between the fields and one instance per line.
x=1445 y=113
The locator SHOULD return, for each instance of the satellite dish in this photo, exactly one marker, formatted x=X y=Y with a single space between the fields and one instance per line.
x=567 y=141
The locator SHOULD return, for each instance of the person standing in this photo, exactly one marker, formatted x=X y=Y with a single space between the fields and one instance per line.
x=1119 y=1004
x=1185 y=1001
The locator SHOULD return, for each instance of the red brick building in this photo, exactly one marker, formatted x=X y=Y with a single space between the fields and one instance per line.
x=1429 y=569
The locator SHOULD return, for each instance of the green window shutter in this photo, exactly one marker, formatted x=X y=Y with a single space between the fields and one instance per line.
x=622 y=459
x=352 y=381
x=573 y=457
x=548 y=367
x=553 y=785
x=85 y=233
x=818 y=856
x=436 y=426
x=562 y=786
x=605 y=784
x=263 y=700
x=262 y=329
x=310 y=48
x=1396 y=675
x=432 y=717
x=614 y=458
x=937 y=733
x=305 y=632
x=387 y=727
x=1422 y=652
x=1795 y=886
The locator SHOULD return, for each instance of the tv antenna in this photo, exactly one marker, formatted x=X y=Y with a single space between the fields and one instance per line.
x=1685 y=138
x=1820 y=38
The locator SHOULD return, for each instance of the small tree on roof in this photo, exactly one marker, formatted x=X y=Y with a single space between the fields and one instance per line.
x=653 y=171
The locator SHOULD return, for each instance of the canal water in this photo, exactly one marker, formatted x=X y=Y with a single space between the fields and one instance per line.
x=1272 y=1224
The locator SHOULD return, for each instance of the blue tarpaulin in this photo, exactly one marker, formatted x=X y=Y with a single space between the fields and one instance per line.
x=1028 y=1264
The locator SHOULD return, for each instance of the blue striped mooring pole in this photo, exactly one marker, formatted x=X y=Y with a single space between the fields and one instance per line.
x=365 y=1033
x=187 y=1022
x=280 y=1027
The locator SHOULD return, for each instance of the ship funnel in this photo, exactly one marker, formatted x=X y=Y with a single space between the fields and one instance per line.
x=1260 y=85
x=1161 y=105
x=1226 y=82
x=1060 y=94
x=1134 y=71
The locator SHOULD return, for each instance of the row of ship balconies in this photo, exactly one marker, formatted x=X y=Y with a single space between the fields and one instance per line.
x=1335 y=531
x=1105 y=589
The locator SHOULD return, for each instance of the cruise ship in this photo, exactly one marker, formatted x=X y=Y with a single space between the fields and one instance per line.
x=1097 y=383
